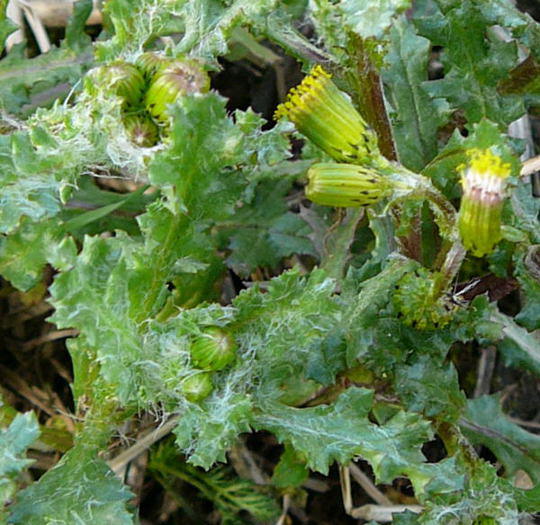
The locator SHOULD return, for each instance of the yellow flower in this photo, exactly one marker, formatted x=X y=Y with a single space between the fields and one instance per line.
x=484 y=189
x=325 y=115
x=332 y=184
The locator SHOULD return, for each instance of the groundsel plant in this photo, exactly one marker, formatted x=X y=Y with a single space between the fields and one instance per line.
x=324 y=277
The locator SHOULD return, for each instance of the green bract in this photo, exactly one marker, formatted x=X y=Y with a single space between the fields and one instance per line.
x=214 y=349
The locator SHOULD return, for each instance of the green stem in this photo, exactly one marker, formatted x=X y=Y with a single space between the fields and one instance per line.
x=338 y=243
x=368 y=95
x=452 y=252
x=449 y=269
x=149 y=305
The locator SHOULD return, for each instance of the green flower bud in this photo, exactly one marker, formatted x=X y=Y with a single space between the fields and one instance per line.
x=213 y=350
x=323 y=113
x=123 y=79
x=418 y=304
x=197 y=387
x=345 y=185
x=150 y=63
x=142 y=130
x=169 y=84
x=484 y=187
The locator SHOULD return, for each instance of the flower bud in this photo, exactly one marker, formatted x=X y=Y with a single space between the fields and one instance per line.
x=197 y=386
x=418 y=304
x=214 y=349
x=333 y=184
x=123 y=79
x=175 y=80
x=150 y=63
x=484 y=187
x=323 y=113
x=141 y=130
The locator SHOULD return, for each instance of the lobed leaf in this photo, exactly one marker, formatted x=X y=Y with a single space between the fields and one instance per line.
x=79 y=489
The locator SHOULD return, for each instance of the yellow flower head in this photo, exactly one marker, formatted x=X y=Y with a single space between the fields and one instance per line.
x=484 y=189
x=345 y=185
x=325 y=115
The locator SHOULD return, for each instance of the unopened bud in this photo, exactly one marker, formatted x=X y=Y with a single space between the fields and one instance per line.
x=484 y=189
x=325 y=115
x=120 y=77
x=169 y=84
x=141 y=130
x=341 y=185
x=214 y=349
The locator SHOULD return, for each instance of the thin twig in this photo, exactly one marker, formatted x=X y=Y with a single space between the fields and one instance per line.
x=382 y=513
x=369 y=487
x=522 y=423
x=345 y=482
x=118 y=463
x=285 y=510
x=486 y=366
x=42 y=39
x=48 y=337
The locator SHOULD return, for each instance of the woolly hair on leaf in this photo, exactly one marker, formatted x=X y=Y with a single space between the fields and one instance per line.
x=483 y=181
x=332 y=184
x=325 y=115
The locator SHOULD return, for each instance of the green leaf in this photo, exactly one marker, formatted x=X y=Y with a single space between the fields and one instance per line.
x=341 y=431
x=277 y=333
x=485 y=423
x=210 y=23
x=79 y=489
x=135 y=23
x=526 y=210
x=26 y=84
x=419 y=385
x=528 y=275
x=528 y=500
x=206 y=433
x=14 y=441
x=415 y=115
x=6 y=25
x=523 y=27
x=88 y=217
x=291 y=471
x=371 y=19
x=27 y=189
x=486 y=499
x=365 y=307
x=76 y=38
x=264 y=231
x=519 y=347
x=117 y=283
x=283 y=328
x=474 y=60
x=322 y=434
x=211 y=157
x=24 y=253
